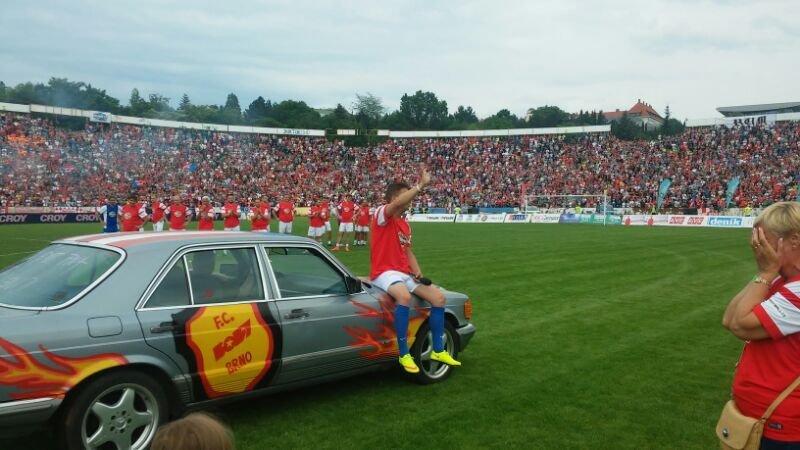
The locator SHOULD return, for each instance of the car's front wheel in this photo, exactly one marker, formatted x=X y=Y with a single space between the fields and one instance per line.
x=433 y=371
x=121 y=410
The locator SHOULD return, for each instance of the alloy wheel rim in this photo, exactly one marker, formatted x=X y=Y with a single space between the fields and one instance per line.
x=124 y=416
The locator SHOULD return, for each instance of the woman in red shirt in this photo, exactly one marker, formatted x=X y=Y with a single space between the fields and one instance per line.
x=766 y=315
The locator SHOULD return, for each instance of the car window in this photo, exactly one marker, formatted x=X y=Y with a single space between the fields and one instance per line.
x=302 y=272
x=224 y=275
x=54 y=275
x=173 y=289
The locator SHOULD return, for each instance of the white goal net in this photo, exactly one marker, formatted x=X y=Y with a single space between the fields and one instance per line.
x=567 y=203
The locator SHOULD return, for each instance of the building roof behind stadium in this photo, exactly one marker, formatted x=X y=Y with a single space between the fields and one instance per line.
x=755 y=109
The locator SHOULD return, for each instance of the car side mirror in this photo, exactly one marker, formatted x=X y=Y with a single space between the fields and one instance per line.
x=354 y=285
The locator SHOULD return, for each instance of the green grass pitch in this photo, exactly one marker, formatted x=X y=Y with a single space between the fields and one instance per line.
x=588 y=337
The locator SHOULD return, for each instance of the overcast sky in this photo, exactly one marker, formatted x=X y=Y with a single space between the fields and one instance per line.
x=694 y=55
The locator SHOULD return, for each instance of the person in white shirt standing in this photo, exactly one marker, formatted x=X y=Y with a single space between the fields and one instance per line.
x=157 y=217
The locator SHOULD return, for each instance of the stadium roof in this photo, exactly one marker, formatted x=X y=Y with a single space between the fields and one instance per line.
x=755 y=109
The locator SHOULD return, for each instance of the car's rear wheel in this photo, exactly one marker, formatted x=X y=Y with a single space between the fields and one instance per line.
x=432 y=371
x=121 y=410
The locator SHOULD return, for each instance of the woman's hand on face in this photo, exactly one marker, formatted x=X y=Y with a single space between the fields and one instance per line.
x=768 y=258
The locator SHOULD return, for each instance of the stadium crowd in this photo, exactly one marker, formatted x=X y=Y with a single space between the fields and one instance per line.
x=42 y=164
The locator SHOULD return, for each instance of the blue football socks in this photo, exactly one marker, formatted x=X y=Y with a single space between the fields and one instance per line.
x=437 y=328
x=401 y=328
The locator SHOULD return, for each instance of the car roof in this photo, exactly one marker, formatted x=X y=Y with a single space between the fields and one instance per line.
x=171 y=241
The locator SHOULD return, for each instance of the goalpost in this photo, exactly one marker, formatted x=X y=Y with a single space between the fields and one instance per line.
x=577 y=203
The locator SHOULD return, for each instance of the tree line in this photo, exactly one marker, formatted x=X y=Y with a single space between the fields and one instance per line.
x=418 y=111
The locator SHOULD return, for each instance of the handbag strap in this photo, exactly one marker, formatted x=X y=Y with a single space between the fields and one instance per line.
x=780 y=398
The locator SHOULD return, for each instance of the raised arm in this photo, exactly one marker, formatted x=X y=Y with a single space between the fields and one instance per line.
x=407 y=196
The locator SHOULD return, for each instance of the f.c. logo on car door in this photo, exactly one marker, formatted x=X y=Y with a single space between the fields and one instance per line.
x=231 y=348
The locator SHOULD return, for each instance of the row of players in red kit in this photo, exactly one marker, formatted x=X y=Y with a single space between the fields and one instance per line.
x=353 y=218
x=134 y=215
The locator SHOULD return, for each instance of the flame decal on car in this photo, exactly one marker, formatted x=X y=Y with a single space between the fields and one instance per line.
x=33 y=379
x=383 y=342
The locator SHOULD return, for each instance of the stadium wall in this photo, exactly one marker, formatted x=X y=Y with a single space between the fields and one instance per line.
x=104 y=117
x=509 y=132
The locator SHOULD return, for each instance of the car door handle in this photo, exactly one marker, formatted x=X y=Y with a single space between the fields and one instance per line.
x=296 y=314
x=164 y=327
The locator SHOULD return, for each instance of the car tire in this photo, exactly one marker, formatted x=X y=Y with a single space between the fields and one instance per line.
x=432 y=371
x=122 y=408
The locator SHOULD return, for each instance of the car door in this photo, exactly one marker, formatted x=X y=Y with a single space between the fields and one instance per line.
x=209 y=311
x=326 y=330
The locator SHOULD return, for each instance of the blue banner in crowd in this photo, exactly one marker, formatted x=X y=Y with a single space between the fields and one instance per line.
x=663 y=188
x=732 y=186
x=6 y=219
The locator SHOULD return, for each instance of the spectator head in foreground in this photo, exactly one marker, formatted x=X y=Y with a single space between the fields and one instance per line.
x=780 y=223
x=197 y=431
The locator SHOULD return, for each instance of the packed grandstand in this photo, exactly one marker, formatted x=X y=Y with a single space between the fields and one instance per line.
x=42 y=164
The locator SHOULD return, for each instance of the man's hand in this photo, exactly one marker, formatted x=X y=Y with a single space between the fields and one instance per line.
x=422 y=280
x=424 y=177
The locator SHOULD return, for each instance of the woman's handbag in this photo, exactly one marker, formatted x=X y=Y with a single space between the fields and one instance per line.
x=739 y=432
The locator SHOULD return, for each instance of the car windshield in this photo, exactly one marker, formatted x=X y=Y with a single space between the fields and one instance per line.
x=54 y=275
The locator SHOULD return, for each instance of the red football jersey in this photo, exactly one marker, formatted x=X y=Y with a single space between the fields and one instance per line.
x=177 y=217
x=232 y=220
x=158 y=211
x=389 y=242
x=133 y=217
x=316 y=218
x=346 y=212
x=286 y=212
x=262 y=223
x=362 y=216
x=205 y=224
x=325 y=212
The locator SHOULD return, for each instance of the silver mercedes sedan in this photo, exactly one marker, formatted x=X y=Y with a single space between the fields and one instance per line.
x=107 y=336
